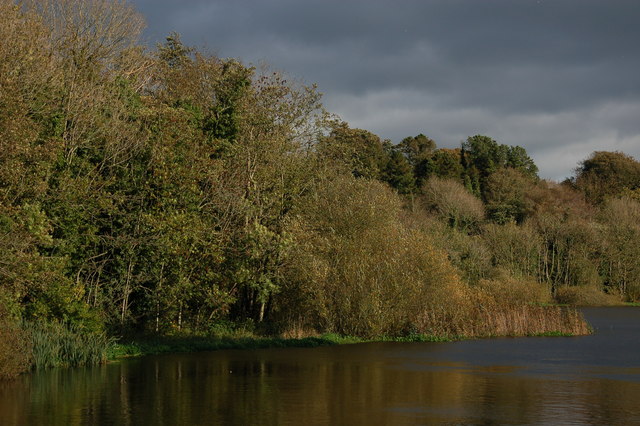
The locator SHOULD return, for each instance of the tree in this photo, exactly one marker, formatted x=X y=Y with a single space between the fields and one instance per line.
x=443 y=163
x=483 y=156
x=515 y=248
x=358 y=269
x=356 y=150
x=506 y=195
x=417 y=148
x=268 y=168
x=89 y=35
x=621 y=237
x=398 y=173
x=607 y=174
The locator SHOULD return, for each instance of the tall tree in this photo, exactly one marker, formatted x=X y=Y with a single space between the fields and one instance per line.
x=398 y=173
x=417 y=148
x=358 y=151
x=483 y=156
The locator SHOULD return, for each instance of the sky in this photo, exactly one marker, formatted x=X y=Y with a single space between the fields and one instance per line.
x=560 y=78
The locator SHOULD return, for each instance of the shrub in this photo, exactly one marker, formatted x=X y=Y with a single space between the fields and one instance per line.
x=585 y=296
x=507 y=290
x=15 y=347
x=451 y=202
x=359 y=270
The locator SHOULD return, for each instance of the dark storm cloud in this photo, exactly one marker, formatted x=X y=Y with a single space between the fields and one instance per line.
x=558 y=77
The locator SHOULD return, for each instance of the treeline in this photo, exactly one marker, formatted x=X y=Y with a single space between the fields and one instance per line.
x=494 y=216
x=174 y=191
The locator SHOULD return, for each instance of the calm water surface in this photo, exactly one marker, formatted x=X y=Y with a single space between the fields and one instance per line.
x=557 y=380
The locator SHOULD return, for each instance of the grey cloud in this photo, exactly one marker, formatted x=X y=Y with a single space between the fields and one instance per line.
x=449 y=68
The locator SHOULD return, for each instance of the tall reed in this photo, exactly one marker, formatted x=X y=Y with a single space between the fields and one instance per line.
x=488 y=318
x=57 y=345
x=525 y=320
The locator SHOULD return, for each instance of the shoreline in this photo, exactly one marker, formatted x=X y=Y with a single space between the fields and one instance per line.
x=136 y=348
x=156 y=345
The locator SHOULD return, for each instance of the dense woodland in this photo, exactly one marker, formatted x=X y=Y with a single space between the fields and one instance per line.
x=168 y=190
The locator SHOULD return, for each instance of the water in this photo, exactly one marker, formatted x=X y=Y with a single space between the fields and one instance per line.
x=548 y=380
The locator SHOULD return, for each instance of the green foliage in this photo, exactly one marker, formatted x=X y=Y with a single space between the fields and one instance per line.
x=444 y=163
x=399 y=174
x=417 y=148
x=483 y=156
x=506 y=195
x=154 y=345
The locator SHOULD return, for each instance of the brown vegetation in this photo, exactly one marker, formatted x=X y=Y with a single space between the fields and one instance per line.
x=15 y=347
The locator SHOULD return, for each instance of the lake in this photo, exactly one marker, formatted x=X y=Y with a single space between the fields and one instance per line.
x=538 y=380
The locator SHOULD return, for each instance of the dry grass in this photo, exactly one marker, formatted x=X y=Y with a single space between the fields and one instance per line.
x=484 y=313
x=491 y=321
x=526 y=320
x=298 y=330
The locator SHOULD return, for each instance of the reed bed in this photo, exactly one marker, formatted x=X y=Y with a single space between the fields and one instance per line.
x=492 y=320
x=527 y=320
x=57 y=345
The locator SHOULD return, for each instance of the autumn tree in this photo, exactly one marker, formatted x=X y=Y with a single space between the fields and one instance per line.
x=357 y=151
x=620 y=218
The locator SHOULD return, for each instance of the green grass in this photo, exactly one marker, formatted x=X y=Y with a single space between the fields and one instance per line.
x=57 y=345
x=153 y=345
x=552 y=334
x=176 y=344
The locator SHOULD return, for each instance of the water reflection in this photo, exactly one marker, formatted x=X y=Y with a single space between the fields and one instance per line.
x=514 y=381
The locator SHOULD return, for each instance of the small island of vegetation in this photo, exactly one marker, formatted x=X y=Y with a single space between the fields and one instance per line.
x=203 y=203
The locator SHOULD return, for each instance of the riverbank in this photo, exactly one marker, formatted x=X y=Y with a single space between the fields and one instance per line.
x=490 y=321
x=41 y=346
x=154 y=345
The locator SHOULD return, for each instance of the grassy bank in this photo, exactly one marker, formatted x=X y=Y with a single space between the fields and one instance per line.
x=183 y=344
x=152 y=345
x=533 y=321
